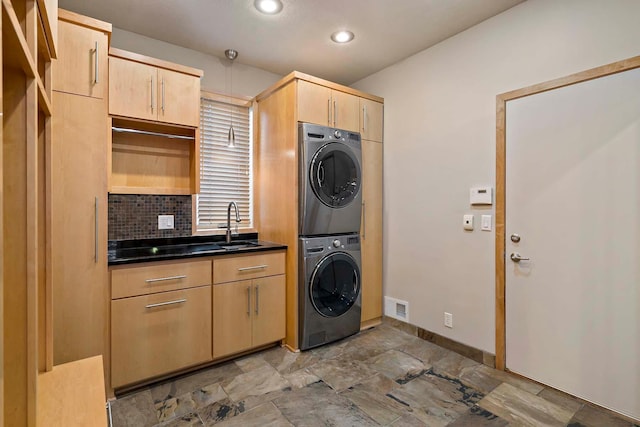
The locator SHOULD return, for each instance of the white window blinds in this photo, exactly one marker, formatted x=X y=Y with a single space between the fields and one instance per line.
x=225 y=173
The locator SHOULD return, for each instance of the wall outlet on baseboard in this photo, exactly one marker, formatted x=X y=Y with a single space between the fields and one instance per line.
x=165 y=222
x=448 y=320
x=396 y=309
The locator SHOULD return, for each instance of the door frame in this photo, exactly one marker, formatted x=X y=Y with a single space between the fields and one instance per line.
x=501 y=101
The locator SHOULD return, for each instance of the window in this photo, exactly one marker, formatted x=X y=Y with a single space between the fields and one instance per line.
x=225 y=173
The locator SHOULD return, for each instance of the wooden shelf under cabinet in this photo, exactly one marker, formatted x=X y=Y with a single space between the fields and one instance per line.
x=154 y=162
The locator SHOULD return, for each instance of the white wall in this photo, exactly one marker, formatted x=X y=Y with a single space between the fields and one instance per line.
x=440 y=140
x=247 y=80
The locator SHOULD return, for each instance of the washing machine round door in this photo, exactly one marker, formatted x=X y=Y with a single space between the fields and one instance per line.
x=335 y=284
x=334 y=174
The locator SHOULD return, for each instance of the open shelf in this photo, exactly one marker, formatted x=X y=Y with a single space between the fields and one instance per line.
x=148 y=158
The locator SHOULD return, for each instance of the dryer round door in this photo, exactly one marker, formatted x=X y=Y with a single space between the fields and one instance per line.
x=334 y=174
x=335 y=284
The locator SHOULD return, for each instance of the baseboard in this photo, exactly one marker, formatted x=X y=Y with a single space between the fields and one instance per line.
x=472 y=353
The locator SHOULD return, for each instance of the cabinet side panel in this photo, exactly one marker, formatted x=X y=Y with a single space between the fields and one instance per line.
x=371 y=230
x=277 y=187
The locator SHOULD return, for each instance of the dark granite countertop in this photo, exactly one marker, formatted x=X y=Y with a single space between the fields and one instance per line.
x=161 y=249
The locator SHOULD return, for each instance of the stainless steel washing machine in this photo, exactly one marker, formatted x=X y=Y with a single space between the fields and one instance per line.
x=329 y=289
x=330 y=180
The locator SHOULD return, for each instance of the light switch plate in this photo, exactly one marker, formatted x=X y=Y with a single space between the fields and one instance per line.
x=165 y=222
x=467 y=222
x=485 y=224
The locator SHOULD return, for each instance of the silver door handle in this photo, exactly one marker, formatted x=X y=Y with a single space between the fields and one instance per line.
x=257 y=299
x=248 y=300
x=364 y=118
x=95 y=75
x=161 y=304
x=516 y=257
x=152 y=94
x=162 y=279
x=163 y=95
x=334 y=113
x=96 y=225
x=329 y=112
x=256 y=267
x=364 y=220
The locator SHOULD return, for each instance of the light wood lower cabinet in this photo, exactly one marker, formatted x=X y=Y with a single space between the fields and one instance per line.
x=248 y=314
x=159 y=333
x=249 y=302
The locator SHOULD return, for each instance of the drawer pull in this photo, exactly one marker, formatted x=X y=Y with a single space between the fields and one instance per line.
x=255 y=267
x=161 y=304
x=162 y=279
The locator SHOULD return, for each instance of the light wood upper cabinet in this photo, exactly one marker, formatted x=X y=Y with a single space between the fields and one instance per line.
x=371 y=230
x=150 y=92
x=132 y=89
x=371 y=120
x=81 y=67
x=179 y=97
x=324 y=106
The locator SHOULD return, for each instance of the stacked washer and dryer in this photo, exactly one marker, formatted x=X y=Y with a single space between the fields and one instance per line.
x=330 y=214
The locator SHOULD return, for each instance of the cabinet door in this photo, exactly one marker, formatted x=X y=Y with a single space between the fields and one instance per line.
x=159 y=333
x=132 y=89
x=78 y=193
x=178 y=98
x=314 y=103
x=231 y=318
x=80 y=68
x=371 y=232
x=371 y=117
x=269 y=310
x=345 y=111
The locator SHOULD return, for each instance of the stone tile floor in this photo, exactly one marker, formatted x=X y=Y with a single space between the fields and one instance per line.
x=380 y=377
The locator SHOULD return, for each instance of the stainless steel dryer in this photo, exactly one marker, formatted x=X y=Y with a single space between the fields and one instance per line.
x=329 y=305
x=330 y=180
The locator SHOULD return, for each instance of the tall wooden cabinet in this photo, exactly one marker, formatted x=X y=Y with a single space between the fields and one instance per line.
x=79 y=191
x=297 y=98
x=371 y=131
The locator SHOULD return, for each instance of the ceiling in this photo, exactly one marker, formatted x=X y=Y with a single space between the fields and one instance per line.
x=386 y=31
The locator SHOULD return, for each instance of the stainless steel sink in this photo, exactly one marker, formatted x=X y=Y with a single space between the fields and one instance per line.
x=240 y=244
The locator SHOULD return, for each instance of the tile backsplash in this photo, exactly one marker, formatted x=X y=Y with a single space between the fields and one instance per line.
x=135 y=216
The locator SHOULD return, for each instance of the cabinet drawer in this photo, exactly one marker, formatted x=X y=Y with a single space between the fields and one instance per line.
x=242 y=267
x=156 y=334
x=160 y=277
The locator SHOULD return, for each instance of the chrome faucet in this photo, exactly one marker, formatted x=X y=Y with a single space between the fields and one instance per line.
x=229 y=219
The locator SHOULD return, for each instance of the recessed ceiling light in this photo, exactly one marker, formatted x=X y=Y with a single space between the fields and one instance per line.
x=270 y=7
x=342 y=36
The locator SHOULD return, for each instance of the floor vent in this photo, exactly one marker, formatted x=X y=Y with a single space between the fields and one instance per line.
x=396 y=309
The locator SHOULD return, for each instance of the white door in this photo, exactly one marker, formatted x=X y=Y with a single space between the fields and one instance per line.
x=573 y=198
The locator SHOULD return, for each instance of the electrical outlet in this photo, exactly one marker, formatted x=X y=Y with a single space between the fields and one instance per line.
x=448 y=320
x=467 y=222
x=165 y=222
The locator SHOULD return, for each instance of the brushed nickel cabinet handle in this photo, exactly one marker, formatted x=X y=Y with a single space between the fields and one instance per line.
x=95 y=249
x=255 y=267
x=248 y=300
x=162 y=304
x=257 y=299
x=329 y=112
x=364 y=220
x=163 y=95
x=96 y=75
x=335 y=113
x=162 y=279
x=152 y=94
x=364 y=118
